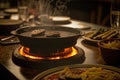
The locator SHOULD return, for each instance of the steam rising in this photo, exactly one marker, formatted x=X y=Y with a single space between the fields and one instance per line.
x=42 y=9
x=50 y=7
x=60 y=7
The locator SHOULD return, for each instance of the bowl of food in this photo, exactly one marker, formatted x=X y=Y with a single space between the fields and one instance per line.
x=80 y=72
x=110 y=50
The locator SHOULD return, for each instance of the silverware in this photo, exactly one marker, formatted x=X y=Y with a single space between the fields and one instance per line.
x=6 y=38
x=9 y=40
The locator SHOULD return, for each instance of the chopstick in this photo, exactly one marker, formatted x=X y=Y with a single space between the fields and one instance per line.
x=6 y=38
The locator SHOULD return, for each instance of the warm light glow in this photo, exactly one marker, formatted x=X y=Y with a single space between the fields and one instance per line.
x=60 y=18
x=14 y=17
x=27 y=55
x=74 y=52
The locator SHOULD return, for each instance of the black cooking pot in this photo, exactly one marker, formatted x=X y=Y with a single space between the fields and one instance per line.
x=68 y=37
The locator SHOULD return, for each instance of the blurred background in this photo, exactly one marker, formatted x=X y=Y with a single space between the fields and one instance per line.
x=93 y=11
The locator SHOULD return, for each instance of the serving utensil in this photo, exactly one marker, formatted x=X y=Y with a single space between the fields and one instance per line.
x=9 y=40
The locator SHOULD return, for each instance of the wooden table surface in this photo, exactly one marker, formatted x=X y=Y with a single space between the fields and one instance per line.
x=92 y=54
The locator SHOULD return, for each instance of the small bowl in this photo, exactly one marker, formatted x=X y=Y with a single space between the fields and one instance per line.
x=111 y=56
x=7 y=25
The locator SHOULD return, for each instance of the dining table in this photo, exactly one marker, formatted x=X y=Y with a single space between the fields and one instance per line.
x=90 y=48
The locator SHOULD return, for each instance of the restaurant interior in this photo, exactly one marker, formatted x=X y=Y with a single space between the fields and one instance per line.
x=30 y=46
x=93 y=11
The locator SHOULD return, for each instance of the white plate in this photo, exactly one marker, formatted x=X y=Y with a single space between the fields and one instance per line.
x=60 y=19
x=57 y=69
x=11 y=11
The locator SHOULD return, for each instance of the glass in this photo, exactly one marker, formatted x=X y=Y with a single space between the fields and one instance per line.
x=33 y=11
x=23 y=10
x=115 y=15
x=38 y=12
x=46 y=10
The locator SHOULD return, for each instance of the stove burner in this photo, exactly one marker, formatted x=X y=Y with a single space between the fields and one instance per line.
x=24 y=61
x=59 y=54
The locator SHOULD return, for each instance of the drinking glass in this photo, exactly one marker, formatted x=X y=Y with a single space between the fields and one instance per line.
x=38 y=12
x=23 y=10
x=115 y=15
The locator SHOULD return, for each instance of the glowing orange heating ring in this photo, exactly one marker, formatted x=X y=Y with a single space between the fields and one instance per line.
x=74 y=52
